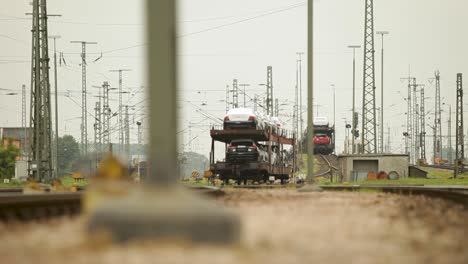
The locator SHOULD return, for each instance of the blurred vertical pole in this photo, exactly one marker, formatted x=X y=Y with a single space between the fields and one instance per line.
x=161 y=34
x=310 y=91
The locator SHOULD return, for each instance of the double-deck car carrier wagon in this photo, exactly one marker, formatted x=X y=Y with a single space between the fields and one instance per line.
x=279 y=164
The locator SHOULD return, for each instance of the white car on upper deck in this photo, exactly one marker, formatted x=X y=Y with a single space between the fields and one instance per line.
x=243 y=118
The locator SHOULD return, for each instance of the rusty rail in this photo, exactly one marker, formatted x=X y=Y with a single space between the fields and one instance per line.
x=457 y=194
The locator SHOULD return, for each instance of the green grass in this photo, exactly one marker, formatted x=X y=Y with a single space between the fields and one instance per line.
x=68 y=181
x=435 y=177
x=12 y=183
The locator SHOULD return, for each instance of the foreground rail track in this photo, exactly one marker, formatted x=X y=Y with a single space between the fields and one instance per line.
x=457 y=194
x=16 y=206
x=28 y=207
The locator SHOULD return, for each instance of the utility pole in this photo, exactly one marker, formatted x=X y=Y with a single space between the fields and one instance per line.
x=255 y=103
x=276 y=107
x=97 y=131
x=84 y=107
x=235 y=94
x=301 y=120
x=354 y=114
x=382 y=34
x=389 y=141
x=460 y=142
x=56 y=152
x=437 y=120
x=24 y=123
x=334 y=105
x=227 y=98
x=310 y=91
x=422 y=138
x=244 y=85
x=106 y=115
x=40 y=162
x=296 y=103
x=120 y=111
x=127 y=134
x=409 y=123
x=369 y=128
x=449 y=137
x=416 y=122
x=269 y=101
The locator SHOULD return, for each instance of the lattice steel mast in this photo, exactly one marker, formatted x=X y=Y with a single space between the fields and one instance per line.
x=120 y=111
x=449 y=137
x=235 y=94
x=369 y=128
x=437 y=120
x=422 y=133
x=24 y=121
x=106 y=116
x=40 y=162
x=84 y=107
x=269 y=101
x=459 y=137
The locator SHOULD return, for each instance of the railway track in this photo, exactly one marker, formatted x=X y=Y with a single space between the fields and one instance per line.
x=17 y=206
x=28 y=207
x=458 y=194
x=328 y=160
x=444 y=167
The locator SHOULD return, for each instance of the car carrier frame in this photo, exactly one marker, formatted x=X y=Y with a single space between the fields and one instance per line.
x=255 y=171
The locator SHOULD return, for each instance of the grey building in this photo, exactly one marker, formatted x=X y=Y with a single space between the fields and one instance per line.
x=357 y=167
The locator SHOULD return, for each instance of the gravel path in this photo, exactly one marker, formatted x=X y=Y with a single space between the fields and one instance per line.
x=279 y=226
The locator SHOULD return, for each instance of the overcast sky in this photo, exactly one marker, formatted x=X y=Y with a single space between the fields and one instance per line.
x=225 y=39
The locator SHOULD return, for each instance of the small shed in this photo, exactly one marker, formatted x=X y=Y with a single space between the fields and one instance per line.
x=356 y=167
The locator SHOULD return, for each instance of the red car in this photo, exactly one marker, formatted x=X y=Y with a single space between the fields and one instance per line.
x=322 y=140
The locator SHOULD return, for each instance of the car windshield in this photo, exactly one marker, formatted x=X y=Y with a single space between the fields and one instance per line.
x=242 y=143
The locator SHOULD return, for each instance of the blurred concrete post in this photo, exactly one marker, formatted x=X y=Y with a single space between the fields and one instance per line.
x=162 y=72
x=162 y=209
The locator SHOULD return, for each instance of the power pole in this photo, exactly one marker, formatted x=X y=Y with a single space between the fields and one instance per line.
x=56 y=152
x=310 y=91
x=369 y=128
x=227 y=98
x=24 y=122
x=120 y=111
x=415 y=122
x=235 y=94
x=106 y=115
x=127 y=134
x=269 y=101
x=423 y=127
x=244 y=85
x=255 y=103
x=437 y=120
x=301 y=120
x=97 y=131
x=409 y=124
x=449 y=137
x=354 y=131
x=389 y=141
x=382 y=34
x=40 y=162
x=296 y=103
x=460 y=143
x=84 y=107
x=277 y=107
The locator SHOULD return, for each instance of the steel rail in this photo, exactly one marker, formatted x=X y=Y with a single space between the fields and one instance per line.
x=457 y=194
